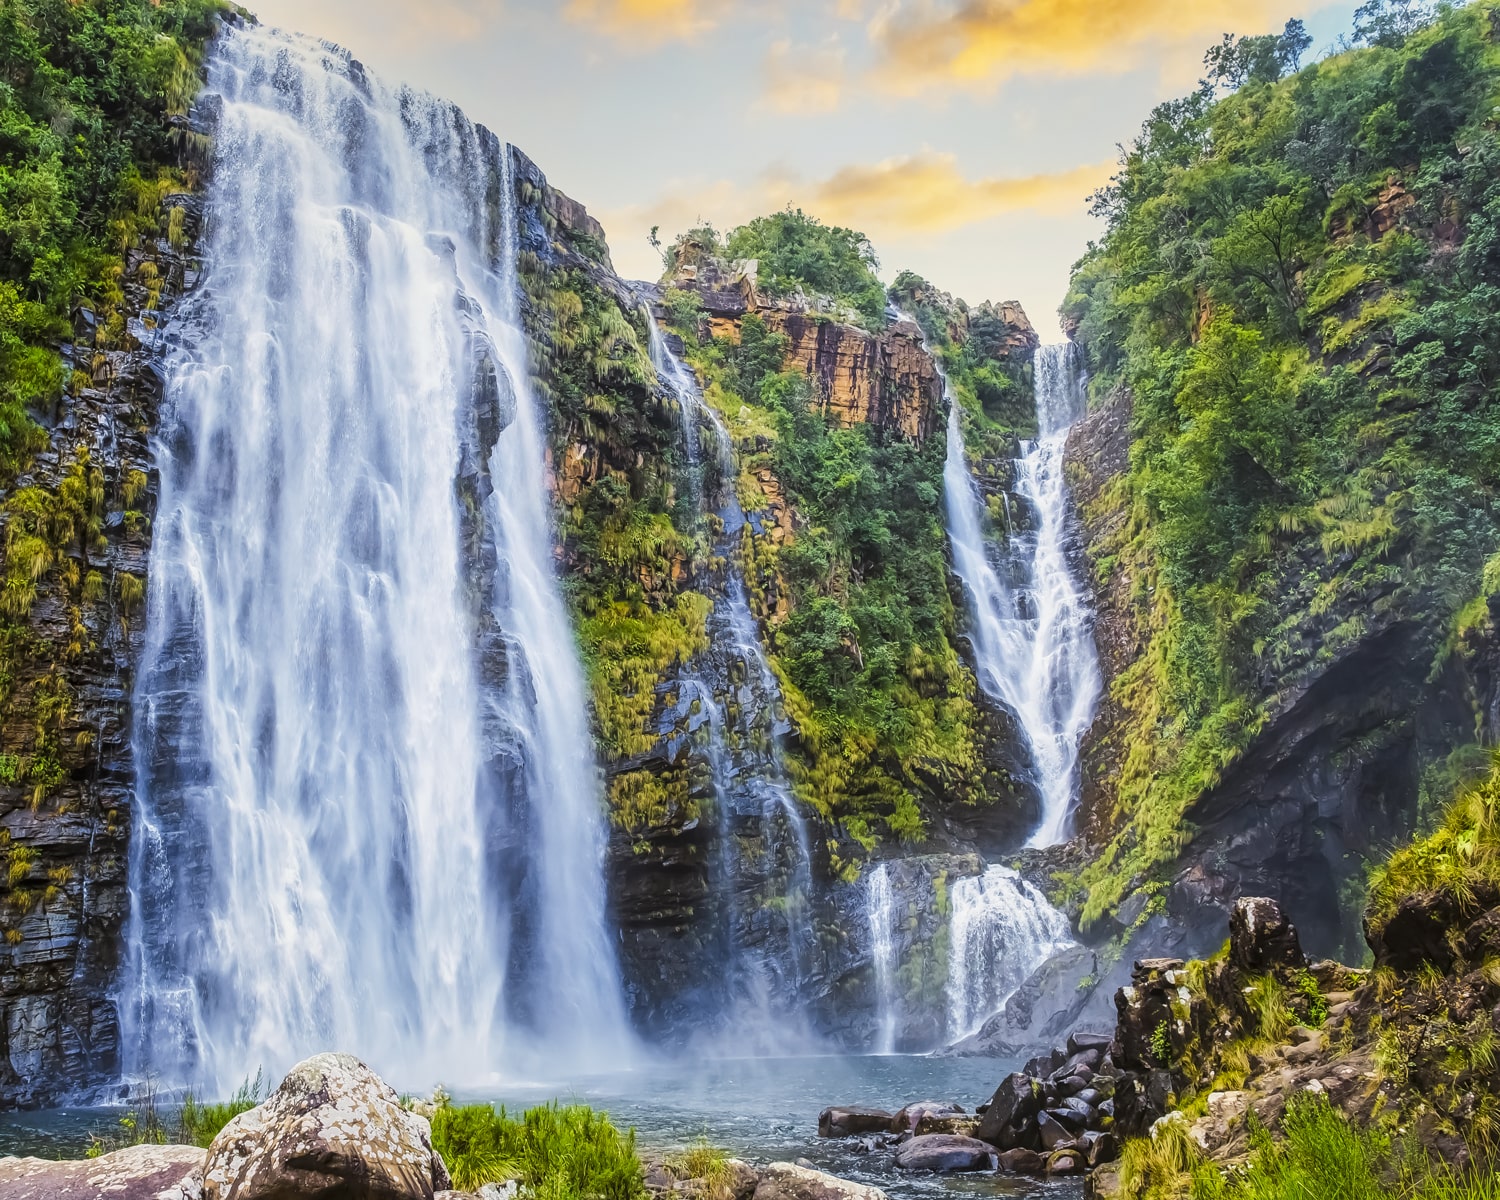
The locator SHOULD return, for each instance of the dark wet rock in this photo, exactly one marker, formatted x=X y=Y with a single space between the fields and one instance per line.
x=1044 y=1064
x=1017 y=1098
x=1261 y=938
x=1082 y=1039
x=332 y=1128
x=946 y=1152
x=1022 y=1162
x=135 y=1173
x=1100 y=1146
x=849 y=1121
x=913 y=1116
x=1052 y=1132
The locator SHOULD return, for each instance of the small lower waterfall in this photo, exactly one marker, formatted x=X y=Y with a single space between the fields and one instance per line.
x=353 y=830
x=745 y=732
x=880 y=902
x=1031 y=626
x=1002 y=929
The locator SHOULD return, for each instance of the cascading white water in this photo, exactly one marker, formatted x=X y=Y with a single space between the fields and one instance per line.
x=1001 y=930
x=880 y=903
x=756 y=771
x=353 y=831
x=1031 y=626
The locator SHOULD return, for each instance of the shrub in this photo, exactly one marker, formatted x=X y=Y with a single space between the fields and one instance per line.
x=555 y=1152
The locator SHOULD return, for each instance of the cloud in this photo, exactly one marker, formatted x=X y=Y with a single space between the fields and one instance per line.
x=646 y=22
x=979 y=43
x=927 y=192
x=804 y=79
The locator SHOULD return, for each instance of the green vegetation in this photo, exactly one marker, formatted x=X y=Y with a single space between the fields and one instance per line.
x=1460 y=859
x=856 y=598
x=1297 y=288
x=86 y=157
x=707 y=1163
x=193 y=1123
x=554 y=1153
x=1322 y=1155
x=795 y=251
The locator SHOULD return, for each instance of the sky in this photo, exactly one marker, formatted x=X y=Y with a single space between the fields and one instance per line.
x=963 y=136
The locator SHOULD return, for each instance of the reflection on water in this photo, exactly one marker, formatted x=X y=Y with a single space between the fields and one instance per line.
x=765 y=1110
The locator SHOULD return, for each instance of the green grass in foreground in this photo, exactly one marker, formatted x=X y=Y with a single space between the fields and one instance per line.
x=1324 y=1157
x=557 y=1152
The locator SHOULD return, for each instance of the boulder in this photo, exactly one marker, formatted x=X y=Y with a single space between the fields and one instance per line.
x=788 y=1181
x=135 y=1173
x=333 y=1127
x=1051 y=1131
x=1084 y=1040
x=1017 y=1098
x=1100 y=1147
x=946 y=1152
x=913 y=1115
x=1067 y=1161
x=1022 y=1162
x=1261 y=938
x=852 y=1121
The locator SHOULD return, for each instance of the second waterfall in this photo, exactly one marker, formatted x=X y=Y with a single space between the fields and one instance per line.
x=354 y=828
x=1031 y=625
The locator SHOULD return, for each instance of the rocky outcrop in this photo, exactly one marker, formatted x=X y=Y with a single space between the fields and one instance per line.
x=946 y=1152
x=333 y=1127
x=135 y=1173
x=1329 y=780
x=67 y=773
x=885 y=379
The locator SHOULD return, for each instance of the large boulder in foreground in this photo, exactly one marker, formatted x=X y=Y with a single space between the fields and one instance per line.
x=786 y=1181
x=333 y=1130
x=136 y=1173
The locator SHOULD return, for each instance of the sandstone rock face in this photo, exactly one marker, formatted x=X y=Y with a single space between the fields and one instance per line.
x=135 y=1173
x=786 y=1181
x=332 y=1128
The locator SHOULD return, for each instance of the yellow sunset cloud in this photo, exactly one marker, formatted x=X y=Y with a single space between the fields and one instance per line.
x=981 y=42
x=928 y=192
x=645 y=21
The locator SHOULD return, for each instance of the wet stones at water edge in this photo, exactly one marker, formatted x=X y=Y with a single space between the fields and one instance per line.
x=136 y=1173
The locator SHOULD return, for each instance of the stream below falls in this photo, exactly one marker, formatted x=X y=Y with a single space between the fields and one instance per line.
x=762 y=1109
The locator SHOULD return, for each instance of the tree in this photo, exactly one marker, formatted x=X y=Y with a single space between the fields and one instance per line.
x=1236 y=61
x=1389 y=22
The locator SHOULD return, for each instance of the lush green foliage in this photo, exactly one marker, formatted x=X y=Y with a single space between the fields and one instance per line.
x=192 y=1124
x=85 y=152
x=883 y=704
x=1298 y=288
x=1322 y=1156
x=1461 y=858
x=557 y=1152
x=795 y=250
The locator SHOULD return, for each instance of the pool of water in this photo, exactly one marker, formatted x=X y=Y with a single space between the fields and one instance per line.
x=762 y=1109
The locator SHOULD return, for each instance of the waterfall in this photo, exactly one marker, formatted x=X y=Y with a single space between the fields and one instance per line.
x=1033 y=644
x=1001 y=930
x=880 y=903
x=354 y=830
x=745 y=732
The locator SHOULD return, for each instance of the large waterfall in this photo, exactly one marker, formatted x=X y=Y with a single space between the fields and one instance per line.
x=1032 y=636
x=354 y=830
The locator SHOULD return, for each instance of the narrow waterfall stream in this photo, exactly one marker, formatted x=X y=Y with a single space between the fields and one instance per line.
x=353 y=830
x=745 y=729
x=1031 y=626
